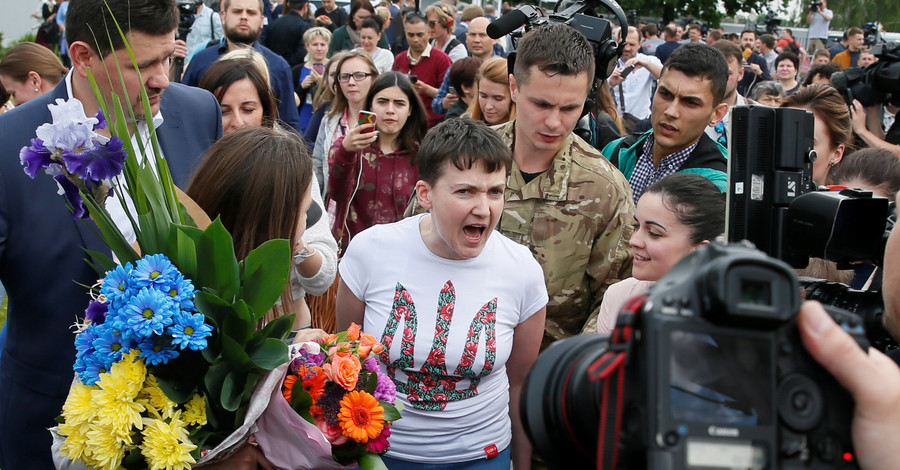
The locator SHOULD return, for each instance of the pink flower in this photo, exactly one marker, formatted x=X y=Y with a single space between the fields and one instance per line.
x=334 y=434
x=380 y=444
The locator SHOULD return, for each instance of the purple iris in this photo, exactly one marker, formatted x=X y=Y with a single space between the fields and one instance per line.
x=99 y=163
x=35 y=157
x=73 y=198
x=96 y=312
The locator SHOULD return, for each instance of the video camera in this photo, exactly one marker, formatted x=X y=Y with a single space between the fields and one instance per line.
x=875 y=84
x=814 y=6
x=705 y=370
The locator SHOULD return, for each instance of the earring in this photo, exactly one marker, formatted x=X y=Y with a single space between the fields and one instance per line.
x=36 y=90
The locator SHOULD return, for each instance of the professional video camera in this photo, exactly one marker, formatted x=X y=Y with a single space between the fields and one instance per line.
x=774 y=203
x=772 y=23
x=705 y=370
x=875 y=84
x=814 y=6
x=187 y=12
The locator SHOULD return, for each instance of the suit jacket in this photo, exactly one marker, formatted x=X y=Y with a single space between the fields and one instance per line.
x=285 y=38
x=43 y=269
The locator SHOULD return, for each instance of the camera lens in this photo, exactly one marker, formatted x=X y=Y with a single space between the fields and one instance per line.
x=561 y=404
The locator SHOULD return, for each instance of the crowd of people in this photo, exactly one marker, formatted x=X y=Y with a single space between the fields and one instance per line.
x=409 y=162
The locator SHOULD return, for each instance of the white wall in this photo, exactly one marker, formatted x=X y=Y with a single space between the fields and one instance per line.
x=15 y=18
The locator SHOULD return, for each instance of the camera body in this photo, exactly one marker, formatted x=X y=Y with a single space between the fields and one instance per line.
x=715 y=376
x=814 y=6
x=720 y=378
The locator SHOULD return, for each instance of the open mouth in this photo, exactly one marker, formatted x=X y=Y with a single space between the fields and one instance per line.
x=640 y=258
x=473 y=233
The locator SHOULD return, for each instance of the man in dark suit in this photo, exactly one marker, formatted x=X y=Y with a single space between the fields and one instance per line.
x=285 y=37
x=41 y=246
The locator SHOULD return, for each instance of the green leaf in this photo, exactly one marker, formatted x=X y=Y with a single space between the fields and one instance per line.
x=217 y=267
x=100 y=261
x=238 y=325
x=269 y=354
x=232 y=388
x=110 y=233
x=213 y=306
x=182 y=248
x=370 y=461
x=277 y=328
x=266 y=272
x=371 y=382
x=215 y=377
x=391 y=413
x=301 y=400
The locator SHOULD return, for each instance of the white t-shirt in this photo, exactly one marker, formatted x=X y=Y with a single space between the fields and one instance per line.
x=637 y=88
x=450 y=369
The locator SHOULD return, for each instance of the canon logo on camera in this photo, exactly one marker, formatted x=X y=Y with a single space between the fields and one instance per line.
x=723 y=432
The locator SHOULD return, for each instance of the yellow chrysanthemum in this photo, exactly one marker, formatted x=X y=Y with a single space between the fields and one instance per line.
x=78 y=409
x=117 y=410
x=195 y=411
x=132 y=367
x=76 y=440
x=155 y=398
x=166 y=445
x=104 y=449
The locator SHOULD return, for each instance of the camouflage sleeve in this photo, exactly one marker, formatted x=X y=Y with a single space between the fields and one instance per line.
x=413 y=208
x=611 y=255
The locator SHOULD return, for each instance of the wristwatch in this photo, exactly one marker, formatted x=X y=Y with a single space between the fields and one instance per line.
x=303 y=254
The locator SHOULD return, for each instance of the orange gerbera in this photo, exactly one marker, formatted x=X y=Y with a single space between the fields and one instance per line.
x=288 y=387
x=361 y=417
x=314 y=382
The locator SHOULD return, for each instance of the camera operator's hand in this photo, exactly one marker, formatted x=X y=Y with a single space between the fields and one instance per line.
x=873 y=134
x=873 y=379
x=638 y=62
x=616 y=78
x=180 y=49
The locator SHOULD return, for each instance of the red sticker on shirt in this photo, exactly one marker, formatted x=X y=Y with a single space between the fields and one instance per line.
x=491 y=451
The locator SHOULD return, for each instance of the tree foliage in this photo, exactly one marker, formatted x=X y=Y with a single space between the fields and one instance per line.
x=849 y=13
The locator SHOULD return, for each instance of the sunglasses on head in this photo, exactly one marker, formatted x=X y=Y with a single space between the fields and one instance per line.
x=414 y=14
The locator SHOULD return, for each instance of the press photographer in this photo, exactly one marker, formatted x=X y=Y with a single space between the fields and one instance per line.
x=819 y=19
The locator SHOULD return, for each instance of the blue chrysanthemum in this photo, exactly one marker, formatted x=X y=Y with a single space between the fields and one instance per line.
x=92 y=370
x=111 y=344
x=35 y=157
x=182 y=292
x=189 y=331
x=98 y=163
x=154 y=271
x=84 y=342
x=117 y=285
x=148 y=312
x=157 y=350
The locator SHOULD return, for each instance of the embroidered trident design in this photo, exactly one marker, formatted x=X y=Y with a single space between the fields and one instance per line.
x=431 y=387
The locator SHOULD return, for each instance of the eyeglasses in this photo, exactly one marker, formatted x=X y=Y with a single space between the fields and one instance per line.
x=356 y=76
x=433 y=23
x=414 y=14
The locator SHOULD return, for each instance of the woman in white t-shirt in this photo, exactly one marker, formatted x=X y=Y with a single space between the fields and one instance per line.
x=459 y=308
x=673 y=217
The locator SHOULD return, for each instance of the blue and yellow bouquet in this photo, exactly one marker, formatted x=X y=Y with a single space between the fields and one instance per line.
x=170 y=351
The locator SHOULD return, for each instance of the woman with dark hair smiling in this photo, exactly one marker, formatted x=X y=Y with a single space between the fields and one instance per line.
x=374 y=166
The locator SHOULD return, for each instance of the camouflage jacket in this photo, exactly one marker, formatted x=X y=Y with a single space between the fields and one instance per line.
x=577 y=218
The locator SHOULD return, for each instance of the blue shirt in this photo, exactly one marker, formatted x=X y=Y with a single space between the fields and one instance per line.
x=279 y=76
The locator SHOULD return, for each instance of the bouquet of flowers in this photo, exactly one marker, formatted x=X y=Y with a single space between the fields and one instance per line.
x=170 y=353
x=335 y=384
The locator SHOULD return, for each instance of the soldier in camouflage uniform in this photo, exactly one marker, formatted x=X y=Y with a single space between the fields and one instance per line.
x=563 y=199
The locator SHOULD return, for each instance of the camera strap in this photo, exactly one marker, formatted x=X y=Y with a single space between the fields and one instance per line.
x=610 y=368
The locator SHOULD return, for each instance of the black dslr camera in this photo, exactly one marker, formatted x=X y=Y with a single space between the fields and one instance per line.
x=705 y=370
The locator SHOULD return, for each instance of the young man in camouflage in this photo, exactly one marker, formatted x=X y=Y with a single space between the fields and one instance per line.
x=563 y=199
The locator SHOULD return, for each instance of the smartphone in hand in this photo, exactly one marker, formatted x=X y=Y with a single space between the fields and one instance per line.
x=366 y=117
x=626 y=71
x=413 y=78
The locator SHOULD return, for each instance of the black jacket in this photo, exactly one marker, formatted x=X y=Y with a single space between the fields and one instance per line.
x=285 y=37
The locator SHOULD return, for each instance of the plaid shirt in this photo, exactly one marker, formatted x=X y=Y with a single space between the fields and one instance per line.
x=645 y=175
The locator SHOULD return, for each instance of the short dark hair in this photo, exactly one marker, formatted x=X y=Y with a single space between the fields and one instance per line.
x=461 y=143
x=650 y=29
x=788 y=30
x=750 y=31
x=463 y=72
x=373 y=22
x=696 y=202
x=94 y=21
x=825 y=70
x=854 y=31
x=768 y=40
x=788 y=55
x=729 y=49
x=703 y=61
x=417 y=122
x=555 y=48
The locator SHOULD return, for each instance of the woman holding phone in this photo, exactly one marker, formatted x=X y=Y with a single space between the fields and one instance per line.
x=310 y=73
x=373 y=167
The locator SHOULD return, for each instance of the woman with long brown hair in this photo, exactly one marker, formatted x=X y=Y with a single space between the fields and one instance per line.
x=29 y=70
x=492 y=103
x=257 y=180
